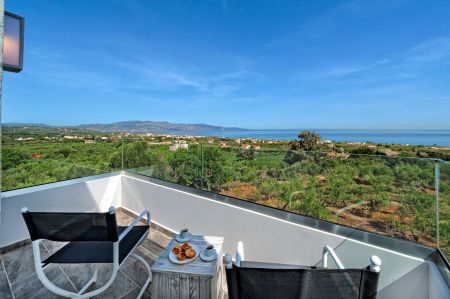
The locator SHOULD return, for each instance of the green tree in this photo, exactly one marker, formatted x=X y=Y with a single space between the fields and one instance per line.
x=135 y=155
x=418 y=212
x=65 y=151
x=115 y=160
x=308 y=140
x=293 y=156
x=309 y=202
x=414 y=175
x=12 y=158
x=214 y=175
x=341 y=185
x=159 y=164
x=244 y=154
x=186 y=167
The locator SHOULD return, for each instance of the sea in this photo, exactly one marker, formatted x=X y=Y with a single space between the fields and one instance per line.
x=411 y=137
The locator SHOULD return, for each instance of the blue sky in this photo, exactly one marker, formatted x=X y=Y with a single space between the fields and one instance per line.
x=253 y=64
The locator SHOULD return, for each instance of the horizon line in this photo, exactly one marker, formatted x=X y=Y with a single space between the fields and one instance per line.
x=37 y=124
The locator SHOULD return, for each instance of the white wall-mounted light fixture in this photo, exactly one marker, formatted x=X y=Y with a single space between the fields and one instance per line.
x=13 y=42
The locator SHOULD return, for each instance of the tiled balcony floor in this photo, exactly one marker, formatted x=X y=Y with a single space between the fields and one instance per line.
x=18 y=278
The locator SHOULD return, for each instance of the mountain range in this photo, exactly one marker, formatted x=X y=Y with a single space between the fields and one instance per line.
x=136 y=127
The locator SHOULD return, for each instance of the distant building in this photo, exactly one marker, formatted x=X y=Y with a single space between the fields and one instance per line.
x=174 y=147
x=358 y=143
x=159 y=143
x=246 y=146
x=223 y=145
x=257 y=147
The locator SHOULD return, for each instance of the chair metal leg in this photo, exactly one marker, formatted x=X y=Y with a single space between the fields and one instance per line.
x=89 y=283
x=149 y=279
x=59 y=291
x=43 y=277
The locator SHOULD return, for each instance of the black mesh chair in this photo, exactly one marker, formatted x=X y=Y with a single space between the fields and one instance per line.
x=264 y=280
x=92 y=238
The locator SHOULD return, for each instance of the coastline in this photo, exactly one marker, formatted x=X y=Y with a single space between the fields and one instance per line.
x=440 y=138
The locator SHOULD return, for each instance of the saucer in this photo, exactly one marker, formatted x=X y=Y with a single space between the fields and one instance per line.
x=179 y=239
x=208 y=258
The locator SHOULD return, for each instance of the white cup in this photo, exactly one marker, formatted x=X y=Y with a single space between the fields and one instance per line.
x=209 y=250
x=184 y=233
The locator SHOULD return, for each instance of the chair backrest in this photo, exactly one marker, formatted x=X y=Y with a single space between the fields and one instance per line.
x=258 y=282
x=71 y=226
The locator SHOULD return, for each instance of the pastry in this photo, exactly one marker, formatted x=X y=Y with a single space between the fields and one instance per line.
x=176 y=249
x=185 y=246
x=189 y=253
x=181 y=256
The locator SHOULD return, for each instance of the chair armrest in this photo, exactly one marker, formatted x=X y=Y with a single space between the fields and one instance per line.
x=328 y=250
x=135 y=221
x=228 y=261
x=240 y=253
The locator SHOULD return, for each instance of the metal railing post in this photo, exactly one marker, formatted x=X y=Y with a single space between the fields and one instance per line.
x=202 y=174
x=122 y=155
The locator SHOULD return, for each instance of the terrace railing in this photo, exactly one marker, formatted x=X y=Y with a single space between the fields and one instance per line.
x=31 y=163
x=401 y=197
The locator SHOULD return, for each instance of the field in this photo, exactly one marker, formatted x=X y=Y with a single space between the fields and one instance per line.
x=354 y=185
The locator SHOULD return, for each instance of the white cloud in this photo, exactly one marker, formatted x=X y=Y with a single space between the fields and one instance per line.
x=432 y=50
x=130 y=74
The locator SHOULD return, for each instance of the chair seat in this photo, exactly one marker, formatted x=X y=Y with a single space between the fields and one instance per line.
x=288 y=281
x=79 y=252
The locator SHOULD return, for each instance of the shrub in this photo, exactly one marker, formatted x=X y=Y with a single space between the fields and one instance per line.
x=418 y=209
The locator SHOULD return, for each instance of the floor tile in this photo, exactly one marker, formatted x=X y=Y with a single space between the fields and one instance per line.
x=159 y=238
x=19 y=263
x=123 y=219
x=120 y=287
x=5 y=290
x=79 y=275
x=52 y=247
x=33 y=288
x=151 y=247
x=133 y=294
x=137 y=272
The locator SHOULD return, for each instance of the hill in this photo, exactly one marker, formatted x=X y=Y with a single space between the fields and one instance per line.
x=135 y=127
x=153 y=126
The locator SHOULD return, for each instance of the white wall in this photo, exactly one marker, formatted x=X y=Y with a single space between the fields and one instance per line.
x=273 y=240
x=266 y=238
x=95 y=193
